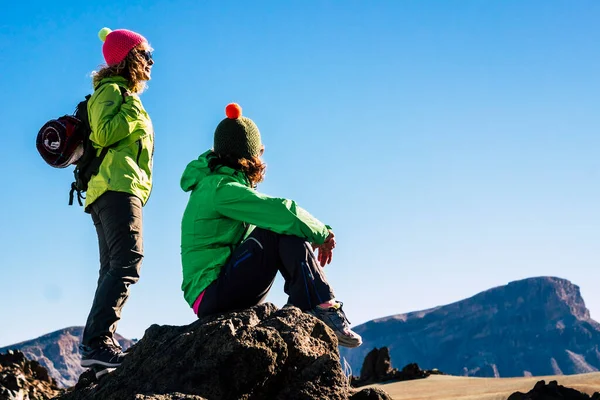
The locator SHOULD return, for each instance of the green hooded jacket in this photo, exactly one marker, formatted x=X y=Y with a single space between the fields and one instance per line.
x=121 y=124
x=221 y=211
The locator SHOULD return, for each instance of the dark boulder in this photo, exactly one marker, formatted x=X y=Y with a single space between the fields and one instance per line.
x=371 y=394
x=377 y=368
x=552 y=391
x=258 y=353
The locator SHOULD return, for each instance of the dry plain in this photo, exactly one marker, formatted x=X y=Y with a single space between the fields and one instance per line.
x=443 y=387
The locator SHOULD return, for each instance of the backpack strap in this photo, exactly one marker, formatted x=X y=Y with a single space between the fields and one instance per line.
x=80 y=196
x=94 y=168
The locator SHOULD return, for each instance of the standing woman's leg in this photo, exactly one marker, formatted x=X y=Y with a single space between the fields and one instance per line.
x=120 y=215
x=104 y=267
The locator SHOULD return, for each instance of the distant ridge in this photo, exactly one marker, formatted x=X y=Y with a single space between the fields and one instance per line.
x=531 y=327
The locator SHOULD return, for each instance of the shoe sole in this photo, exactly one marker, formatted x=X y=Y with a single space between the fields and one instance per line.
x=92 y=363
x=103 y=372
x=347 y=342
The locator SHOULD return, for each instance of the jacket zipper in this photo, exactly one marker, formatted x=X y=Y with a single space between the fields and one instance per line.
x=137 y=160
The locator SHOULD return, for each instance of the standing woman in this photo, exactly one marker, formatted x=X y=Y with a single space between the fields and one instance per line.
x=115 y=196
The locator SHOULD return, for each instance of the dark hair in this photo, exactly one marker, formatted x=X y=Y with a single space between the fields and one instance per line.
x=253 y=168
x=131 y=68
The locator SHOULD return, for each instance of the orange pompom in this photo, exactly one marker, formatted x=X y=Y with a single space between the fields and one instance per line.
x=233 y=111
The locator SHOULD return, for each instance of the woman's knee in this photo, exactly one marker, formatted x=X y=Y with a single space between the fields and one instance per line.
x=127 y=271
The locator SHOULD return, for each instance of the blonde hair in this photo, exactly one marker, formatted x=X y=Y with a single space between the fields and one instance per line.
x=131 y=68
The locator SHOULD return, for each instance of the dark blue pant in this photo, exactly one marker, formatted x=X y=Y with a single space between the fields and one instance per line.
x=118 y=220
x=248 y=276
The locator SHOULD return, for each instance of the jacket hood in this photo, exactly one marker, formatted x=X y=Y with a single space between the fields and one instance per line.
x=199 y=169
x=195 y=172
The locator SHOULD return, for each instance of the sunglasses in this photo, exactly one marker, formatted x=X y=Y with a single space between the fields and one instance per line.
x=146 y=54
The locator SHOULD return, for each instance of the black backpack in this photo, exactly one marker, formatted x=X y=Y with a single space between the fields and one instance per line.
x=66 y=141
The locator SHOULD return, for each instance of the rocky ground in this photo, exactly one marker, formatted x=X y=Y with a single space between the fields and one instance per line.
x=23 y=379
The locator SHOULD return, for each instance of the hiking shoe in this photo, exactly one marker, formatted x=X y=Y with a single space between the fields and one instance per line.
x=335 y=318
x=103 y=355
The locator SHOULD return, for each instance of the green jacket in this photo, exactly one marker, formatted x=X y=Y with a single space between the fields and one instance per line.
x=222 y=209
x=123 y=125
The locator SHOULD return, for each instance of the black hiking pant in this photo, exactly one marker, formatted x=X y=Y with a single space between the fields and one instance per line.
x=249 y=274
x=118 y=220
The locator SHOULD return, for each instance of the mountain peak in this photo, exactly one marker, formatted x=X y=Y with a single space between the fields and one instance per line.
x=558 y=290
x=555 y=297
x=534 y=326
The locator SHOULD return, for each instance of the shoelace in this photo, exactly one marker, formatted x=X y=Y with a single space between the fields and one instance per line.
x=112 y=347
x=340 y=313
x=112 y=343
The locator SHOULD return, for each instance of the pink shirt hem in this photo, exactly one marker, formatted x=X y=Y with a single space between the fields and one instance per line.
x=197 y=302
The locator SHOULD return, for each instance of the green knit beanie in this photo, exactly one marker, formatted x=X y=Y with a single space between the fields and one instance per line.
x=236 y=135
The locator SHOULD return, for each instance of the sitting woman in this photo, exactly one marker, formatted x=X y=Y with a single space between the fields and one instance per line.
x=234 y=239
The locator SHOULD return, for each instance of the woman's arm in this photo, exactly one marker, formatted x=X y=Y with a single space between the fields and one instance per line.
x=284 y=216
x=113 y=116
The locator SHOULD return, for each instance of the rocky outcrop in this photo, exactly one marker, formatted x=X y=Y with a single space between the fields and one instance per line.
x=536 y=326
x=22 y=379
x=59 y=353
x=377 y=368
x=258 y=353
x=552 y=391
x=371 y=394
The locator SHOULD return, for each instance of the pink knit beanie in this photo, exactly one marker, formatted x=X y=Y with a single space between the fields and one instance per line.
x=118 y=43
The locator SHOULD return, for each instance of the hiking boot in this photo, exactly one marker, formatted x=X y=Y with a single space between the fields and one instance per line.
x=104 y=354
x=335 y=318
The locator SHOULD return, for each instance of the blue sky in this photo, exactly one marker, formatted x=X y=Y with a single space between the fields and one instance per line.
x=452 y=145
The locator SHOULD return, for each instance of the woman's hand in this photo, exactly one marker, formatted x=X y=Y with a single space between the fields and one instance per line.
x=330 y=241
x=325 y=250
x=325 y=255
